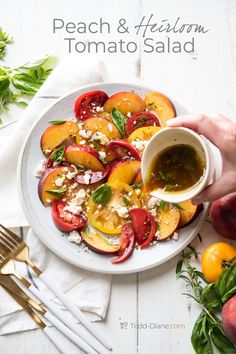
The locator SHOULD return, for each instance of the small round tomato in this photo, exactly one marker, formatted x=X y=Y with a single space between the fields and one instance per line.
x=141 y=119
x=144 y=226
x=216 y=258
x=110 y=217
x=122 y=148
x=86 y=104
x=65 y=220
x=127 y=244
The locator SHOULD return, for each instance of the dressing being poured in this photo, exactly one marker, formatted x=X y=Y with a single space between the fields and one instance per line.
x=175 y=169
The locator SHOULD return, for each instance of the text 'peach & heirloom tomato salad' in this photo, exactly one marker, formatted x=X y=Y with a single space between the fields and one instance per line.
x=91 y=176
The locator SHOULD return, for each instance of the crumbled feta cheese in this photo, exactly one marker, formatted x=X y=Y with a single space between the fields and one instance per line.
x=59 y=181
x=48 y=200
x=122 y=211
x=102 y=154
x=73 y=208
x=100 y=136
x=139 y=145
x=110 y=127
x=175 y=236
x=47 y=151
x=82 y=142
x=85 y=133
x=138 y=191
x=72 y=174
x=153 y=212
x=153 y=201
x=79 y=197
x=99 y=109
x=157 y=234
x=75 y=237
x=87 y=177
x=73 y=186
x=129 y=114
x=40 y=169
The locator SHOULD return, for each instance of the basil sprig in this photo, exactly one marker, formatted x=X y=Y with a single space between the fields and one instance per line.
x=119 y=120
x=58 y=155
x=102 y=194
x=57 y=192
x=5 y=39
x=208 y=332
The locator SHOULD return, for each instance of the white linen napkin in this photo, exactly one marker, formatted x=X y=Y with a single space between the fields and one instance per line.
x=80 y=285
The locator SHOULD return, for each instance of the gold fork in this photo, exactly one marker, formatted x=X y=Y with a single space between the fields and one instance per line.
x=13 y=247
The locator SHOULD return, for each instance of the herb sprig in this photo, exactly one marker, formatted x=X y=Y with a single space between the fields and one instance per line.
x=119 y=120
x=102 y=194
x=5 y=39
x=207 y=331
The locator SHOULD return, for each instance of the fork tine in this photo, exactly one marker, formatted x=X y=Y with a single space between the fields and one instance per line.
x=4 y=240
x=14 y=237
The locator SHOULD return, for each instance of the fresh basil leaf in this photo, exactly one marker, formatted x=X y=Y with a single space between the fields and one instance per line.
x=5 y=39
x=26 y=84
x=126 y=200
x=57 y=192
x=163 y=205
x=32 y=65
x=209 y=297
x=200 y=338
x=22 y=104
x=57 y=122
x=58 y=155
x=119 y=120
x=225 y=284
x=177 y=206
x=221 y=342
x=102 y=194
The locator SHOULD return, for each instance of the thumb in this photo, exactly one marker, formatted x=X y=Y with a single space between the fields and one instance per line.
x=220 y=188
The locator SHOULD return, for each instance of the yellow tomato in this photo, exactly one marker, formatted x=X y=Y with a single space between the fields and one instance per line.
x=107 y=218
x=216 y=258
x=143 y=133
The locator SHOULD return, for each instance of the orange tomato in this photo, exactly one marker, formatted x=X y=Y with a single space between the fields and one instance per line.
x=216 y=258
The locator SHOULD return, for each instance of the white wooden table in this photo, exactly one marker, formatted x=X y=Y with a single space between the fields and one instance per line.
x=142 y=305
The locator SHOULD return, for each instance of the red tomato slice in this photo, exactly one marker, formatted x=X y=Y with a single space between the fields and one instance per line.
x=144 y=226
x=127 y=243
x=141 y=119
x=85 y=105
x=64 y=220
x=123 y=149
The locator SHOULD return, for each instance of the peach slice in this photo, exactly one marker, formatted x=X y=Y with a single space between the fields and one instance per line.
x=84 y=156
x=187 y=212
x=101 y=125
x=167 y=220
x=162 y=105
x=124 y=171
x=47 y=182
x=54 y=135
x=97 y=243
x=144 y=133
x=125 y=102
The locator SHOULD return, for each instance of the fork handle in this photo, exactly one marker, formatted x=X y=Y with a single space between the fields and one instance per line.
x=65 y=324
x=75 y=310
x=58 y=341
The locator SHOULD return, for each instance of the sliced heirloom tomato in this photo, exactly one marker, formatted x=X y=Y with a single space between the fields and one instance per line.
x=144 y=226
x=123 y=149
x=85 y=105
x=141 y=119
x=64 y=220
x=127 y=244
x=105 y=217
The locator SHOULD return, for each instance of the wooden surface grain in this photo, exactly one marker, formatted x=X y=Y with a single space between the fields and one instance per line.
x=147 y=313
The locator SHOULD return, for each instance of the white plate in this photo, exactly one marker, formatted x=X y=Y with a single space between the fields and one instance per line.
x=40 y=219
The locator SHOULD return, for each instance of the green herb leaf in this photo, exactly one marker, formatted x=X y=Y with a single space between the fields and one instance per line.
x=58 y=155
x=126 y=200
x=22 y=104
x=200 y=338
x=137 y=185
x=102 y=194
x=57 y=122
x=178 y=269
x=163 y=205
x=226 y=283
x=221 y=342
x=4 y=40
x=57 y=192
x=119 y=120
x=177 y=206
x=170 y=187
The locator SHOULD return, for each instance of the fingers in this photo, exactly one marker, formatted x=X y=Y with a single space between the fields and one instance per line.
x=223 y=186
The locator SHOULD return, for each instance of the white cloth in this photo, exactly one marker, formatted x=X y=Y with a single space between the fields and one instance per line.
x=88 y=290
